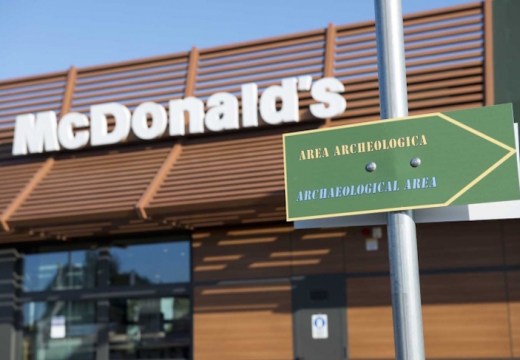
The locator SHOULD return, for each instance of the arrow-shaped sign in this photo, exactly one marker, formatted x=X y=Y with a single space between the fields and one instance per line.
x=440 y=159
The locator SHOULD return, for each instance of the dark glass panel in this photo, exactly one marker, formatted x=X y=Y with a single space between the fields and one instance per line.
x=59 y=270
x=158 y=328
x=160 y=263
x=59 y=330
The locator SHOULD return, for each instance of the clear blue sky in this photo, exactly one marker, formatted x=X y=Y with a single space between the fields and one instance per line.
x=38 y=36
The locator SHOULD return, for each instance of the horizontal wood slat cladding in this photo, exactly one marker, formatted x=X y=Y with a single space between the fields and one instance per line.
x=14 y=177
x=474 y=244
x=40 y=93
x=264 y=253
x=243 y=322
x=130 y=83
x=108 y=182
x=88 y=228
x=369 y=318
x=13 y=238
x=240 y=254
x=455 y=31
x=465 y=316
x=20 y=96
x=317 y=251
x=224 y=172
x=433 y=41
x=269 y=211
x=230 y=174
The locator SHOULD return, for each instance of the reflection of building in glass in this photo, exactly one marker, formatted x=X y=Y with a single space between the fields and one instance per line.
x=135 y=327
x=149 y=264
x=145 y=326
x=44 y=341
x=60 y=270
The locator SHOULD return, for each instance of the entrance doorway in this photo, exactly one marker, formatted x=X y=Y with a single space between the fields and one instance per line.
x=110 y=302
x=319 y=319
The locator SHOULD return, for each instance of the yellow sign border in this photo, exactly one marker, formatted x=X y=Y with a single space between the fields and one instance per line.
x=471 y=184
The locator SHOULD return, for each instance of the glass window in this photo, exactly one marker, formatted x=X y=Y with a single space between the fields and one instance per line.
x=59 y=270
x=59 y=330
x=158 y=328
x=160 y=263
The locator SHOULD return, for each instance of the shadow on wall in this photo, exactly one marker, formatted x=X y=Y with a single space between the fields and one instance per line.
x=470 y=287
x=461 y=263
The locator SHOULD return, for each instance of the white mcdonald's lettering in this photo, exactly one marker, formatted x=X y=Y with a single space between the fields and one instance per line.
x=278 y=104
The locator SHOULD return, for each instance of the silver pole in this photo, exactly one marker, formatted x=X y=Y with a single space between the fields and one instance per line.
x=402 y=241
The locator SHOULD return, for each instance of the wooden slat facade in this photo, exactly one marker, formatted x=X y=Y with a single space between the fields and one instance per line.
x=263 y=253
x=79 y=186
x=243 y=322
x=445 y=64
x=513 y=282
x=231 y=172
x=369 y=318
x=227 y=189
x=470 y=299
x=15 y=178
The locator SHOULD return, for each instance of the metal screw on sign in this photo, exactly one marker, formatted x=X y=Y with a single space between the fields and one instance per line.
x=371 y=167
x=415 y=162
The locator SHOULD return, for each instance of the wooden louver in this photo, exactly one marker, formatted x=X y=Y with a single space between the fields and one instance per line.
x=215 y=179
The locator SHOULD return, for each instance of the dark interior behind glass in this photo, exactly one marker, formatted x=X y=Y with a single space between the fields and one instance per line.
x=76 y=302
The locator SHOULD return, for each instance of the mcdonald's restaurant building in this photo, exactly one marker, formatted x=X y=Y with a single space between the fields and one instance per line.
x=142 y=203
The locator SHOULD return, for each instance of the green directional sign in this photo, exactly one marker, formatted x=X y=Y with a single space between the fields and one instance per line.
x=433 y=160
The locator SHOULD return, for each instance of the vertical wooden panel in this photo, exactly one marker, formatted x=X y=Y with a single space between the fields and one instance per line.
x=248 y=322
x=191 y=75
x=489 y=80
x=458 y=245
x=330 y=51
x=158 y=179
x=465 y=316
x=317 y=251
x=513 y=280
x=369 y=318
x=69 y=91
x=242 y=254
x=511 y=231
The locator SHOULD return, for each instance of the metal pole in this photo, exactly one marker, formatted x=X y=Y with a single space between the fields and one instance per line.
x=402 y=242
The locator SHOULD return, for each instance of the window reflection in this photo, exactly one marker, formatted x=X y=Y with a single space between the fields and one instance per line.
x=150 y=264
x=138 y=328
x=158 y=328
x=59 y=330
x=59 y=270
